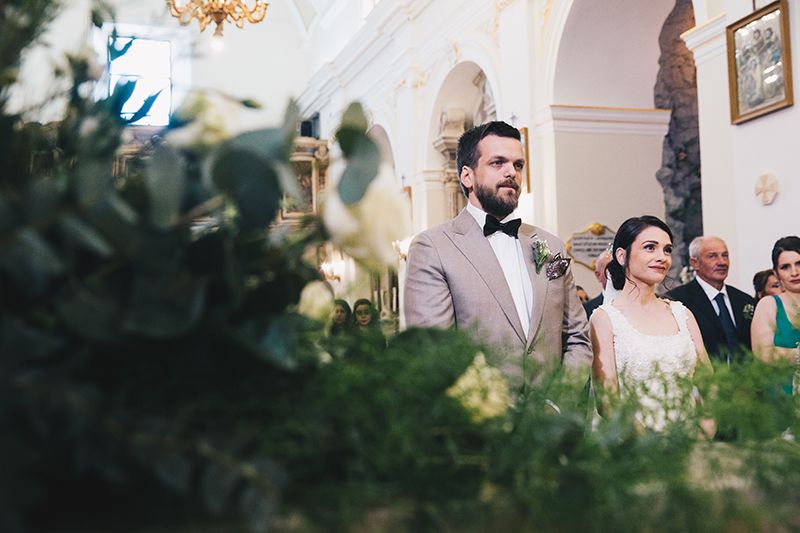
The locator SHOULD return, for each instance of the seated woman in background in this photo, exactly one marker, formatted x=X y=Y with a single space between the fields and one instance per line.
x=366 y=319
x=766 y=283
x=643 y=344
x=776 y=323
x=342 y=318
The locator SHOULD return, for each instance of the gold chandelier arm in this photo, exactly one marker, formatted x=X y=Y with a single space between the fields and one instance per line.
x=207 y=11
x=238 y=11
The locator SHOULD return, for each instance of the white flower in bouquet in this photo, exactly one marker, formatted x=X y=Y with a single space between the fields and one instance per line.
x=208 y=118
x=316 y=301
x=366 y=230
x=482 y=390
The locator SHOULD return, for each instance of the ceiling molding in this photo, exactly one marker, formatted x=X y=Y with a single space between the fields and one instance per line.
x=707 y=40
x=604 y=120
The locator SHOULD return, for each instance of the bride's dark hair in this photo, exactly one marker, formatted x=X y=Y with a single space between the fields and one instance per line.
x=626 y=234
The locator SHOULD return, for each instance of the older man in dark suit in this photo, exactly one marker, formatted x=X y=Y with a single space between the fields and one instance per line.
x=601 y=275
x=723 y=312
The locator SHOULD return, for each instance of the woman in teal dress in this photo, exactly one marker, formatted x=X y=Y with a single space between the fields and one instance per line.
x=775 y=329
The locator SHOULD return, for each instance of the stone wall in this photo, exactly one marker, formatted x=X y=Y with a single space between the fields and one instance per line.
x=679 y=175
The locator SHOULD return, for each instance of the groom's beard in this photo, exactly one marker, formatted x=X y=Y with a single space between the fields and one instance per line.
x=495 y=204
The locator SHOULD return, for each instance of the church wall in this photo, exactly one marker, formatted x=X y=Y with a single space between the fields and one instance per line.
x=605 y=178
x=734 y=156
x=768 y=144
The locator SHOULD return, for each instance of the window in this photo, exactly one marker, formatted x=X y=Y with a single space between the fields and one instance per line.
x=157 y=59
x=148 y=63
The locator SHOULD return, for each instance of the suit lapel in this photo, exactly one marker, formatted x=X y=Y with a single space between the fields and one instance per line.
x=468 y=238
x=706 y=309
x=527 y=234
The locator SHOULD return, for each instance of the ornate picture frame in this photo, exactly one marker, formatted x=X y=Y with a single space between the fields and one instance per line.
x=759 y=63
x=585 y=245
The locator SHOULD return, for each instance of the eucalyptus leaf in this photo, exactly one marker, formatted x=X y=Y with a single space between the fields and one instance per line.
x=252 y=182
x=166 y=180
x=353 y=119
x=363 y=164
x=9 y=218
x=93 y=179
x=92 y=311
x=144 y=109
x=30 y=262
x=42 y=200
x=172 y=468
x=290 y=118
x=288 y=180
x=85 y=235
x=250 y=103
x=269 y=144
x=257 y=508
x=115 y=53
x=164 y=306
x=117 y=222
x=23 y=342
x=123 y=91
x=217 y=487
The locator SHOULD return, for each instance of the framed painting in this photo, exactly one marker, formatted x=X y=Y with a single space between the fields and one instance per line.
x=759 y=63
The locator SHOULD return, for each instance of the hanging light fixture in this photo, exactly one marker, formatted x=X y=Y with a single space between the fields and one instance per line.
x=217 y=11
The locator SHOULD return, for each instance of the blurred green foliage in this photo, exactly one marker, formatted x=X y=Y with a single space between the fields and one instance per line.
x=156 y=375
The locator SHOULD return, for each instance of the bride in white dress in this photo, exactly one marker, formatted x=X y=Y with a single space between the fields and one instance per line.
x=645 y=345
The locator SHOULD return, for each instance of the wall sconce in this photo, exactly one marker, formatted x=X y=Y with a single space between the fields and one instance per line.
x=401 y=247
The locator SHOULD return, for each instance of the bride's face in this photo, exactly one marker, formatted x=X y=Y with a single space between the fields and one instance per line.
x=651 y=256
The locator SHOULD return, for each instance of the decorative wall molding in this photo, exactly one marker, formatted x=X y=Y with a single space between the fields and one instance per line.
x=707 y=41
x=585 y=119
x=361 y=51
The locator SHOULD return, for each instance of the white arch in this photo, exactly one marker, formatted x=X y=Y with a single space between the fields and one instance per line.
x=471 y=51
x=604 y=55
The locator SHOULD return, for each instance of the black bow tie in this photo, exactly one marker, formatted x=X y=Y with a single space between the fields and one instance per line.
x=510 y=228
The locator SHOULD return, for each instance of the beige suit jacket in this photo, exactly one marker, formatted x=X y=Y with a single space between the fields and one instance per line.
x=454 y=279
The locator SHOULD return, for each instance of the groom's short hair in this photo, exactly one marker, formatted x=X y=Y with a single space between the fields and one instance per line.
x=468 y=153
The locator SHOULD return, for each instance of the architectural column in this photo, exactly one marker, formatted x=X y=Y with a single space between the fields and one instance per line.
x=452 y=125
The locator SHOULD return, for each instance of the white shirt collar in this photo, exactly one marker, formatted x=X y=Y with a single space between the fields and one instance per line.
x=480 y=215
x=711 y=292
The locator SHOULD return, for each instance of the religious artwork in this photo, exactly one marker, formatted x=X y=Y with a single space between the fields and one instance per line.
x=759 y=63
x=310 y=161
x=587 y=244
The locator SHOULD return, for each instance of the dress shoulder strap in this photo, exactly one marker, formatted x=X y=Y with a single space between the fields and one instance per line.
x=680 y=314
x=618 y=321
x=780 y=312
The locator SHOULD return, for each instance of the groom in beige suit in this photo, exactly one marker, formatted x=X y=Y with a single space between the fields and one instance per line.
x=508 y=283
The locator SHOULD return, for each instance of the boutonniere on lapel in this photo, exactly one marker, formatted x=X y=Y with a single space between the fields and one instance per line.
x=747 y=311
x=556 y=265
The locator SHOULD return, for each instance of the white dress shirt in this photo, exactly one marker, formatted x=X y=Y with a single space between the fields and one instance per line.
x=508 y=251
x=711 y=293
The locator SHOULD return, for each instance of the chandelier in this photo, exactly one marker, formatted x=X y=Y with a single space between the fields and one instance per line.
x=217 y=11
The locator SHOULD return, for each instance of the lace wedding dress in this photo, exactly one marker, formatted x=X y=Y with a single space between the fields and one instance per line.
x=654 y=367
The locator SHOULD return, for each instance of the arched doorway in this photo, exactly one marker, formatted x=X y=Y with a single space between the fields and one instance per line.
x=464 y=99
x=622 y=97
